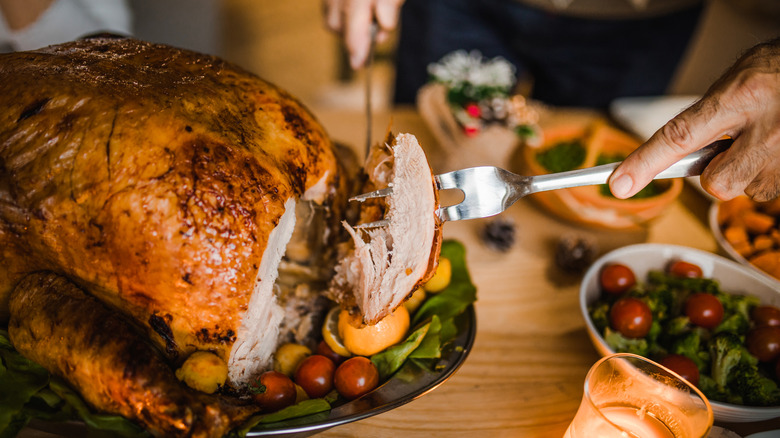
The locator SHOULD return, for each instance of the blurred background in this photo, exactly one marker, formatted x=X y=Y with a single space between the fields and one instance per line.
x=287 y=43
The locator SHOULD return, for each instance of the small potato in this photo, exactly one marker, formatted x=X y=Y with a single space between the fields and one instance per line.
x=414 y=302
x=288 y=356
x=441 y=279
x=203 y=371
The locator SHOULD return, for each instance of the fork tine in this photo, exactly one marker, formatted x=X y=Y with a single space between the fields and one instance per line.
x=375 y=224
x=447 y=180
x=375 y=194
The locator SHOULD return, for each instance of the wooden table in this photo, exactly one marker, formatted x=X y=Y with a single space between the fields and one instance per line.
x=525 y=374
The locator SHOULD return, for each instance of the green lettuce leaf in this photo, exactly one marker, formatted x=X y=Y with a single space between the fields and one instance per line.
x=302 y=409
x=458 y=295
x=20 y=380
x=430 y=347
x=389 y=361
x=115 y=424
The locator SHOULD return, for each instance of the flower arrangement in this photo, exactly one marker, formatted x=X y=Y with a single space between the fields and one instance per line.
x=479 y=92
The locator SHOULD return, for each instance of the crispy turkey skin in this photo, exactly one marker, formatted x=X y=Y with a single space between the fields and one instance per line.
x=154 y=177
x=79 y=339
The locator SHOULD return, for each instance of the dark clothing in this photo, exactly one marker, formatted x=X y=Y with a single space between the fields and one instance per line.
x=572 y=61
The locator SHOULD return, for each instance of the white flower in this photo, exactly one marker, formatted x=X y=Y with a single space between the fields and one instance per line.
x=461 y=67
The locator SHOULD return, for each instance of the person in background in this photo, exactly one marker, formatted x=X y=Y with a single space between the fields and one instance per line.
x=581 y=53
x=32 y=24
x=743 y=104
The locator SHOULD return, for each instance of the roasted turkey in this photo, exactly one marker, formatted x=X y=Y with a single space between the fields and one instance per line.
x=198 y=205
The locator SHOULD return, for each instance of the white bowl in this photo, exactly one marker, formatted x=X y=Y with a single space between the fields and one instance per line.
x=726 y=247
x=733 y=278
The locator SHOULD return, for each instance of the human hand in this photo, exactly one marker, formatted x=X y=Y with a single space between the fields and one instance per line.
x=19 y=14
x=743 y=104
x=352 y=19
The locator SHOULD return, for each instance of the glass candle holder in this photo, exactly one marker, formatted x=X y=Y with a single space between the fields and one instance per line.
x=629 y=396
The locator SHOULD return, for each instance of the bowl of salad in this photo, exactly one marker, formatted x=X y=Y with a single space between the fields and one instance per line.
x=711 y=320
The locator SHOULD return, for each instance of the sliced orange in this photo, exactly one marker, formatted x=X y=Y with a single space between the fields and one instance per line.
x=365 y=340
x=330 y=333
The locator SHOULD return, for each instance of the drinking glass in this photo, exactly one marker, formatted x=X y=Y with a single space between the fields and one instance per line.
x=629 y=396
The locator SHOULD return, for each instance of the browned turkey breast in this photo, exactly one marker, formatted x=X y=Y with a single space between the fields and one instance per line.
x=166 y=183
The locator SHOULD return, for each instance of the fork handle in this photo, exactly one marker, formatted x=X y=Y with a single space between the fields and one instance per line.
x=690 y=165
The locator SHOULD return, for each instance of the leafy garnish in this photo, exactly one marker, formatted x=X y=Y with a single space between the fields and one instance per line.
x=302 y=409
x=20 y=380
x=389 y=361
x=458 y=295
x=116 y=424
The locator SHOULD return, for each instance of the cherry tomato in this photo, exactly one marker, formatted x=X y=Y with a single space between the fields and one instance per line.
x=631 y=317
x=683 y=366
x=355 y=377
x=617 y=279
x=704 y=310
x=766 y=315
x=680 y=268
x=324 y=349
x=315 y=375
x=273 y=391
x=764 y=343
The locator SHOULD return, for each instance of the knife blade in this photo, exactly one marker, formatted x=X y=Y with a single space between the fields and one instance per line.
x=368 y=69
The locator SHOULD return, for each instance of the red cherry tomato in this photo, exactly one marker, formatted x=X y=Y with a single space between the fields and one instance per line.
x=355 y=377
x=766 y=315
x=680 y=268
x=631 y=317
x=704 y=310
x=617 y=279
x=315 y=375
x=324 y=349
x=273 y=391
x=764 y=343
x=683 y=366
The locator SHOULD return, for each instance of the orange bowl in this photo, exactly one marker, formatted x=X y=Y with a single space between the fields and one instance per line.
x=590 y=205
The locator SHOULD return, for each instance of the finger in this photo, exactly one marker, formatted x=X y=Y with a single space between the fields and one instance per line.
x=357 y=30
x=386 y=13
x=750 y=166
x=765 y=187
x=382 y=36
x=332 y=11
x=694 y=128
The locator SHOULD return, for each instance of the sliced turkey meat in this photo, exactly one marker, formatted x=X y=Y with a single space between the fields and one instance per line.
x=386 y=264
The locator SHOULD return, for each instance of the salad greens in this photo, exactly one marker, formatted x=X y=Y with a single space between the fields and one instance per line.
x=563 y=156
x=27 y=391
x=727 y=371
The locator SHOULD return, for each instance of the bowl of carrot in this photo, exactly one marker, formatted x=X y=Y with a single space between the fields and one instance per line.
x=749 y=232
